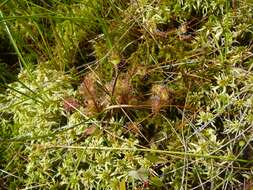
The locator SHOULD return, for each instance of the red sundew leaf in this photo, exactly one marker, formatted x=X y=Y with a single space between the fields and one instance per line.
x=90 y=130
x=145 y=184
x=70 y=104
x=155 y=104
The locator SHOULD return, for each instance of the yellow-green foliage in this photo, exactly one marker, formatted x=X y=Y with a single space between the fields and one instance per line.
x=128 y=95
x=35 y=99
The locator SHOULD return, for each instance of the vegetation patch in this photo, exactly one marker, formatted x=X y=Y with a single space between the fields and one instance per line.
x=126 y=94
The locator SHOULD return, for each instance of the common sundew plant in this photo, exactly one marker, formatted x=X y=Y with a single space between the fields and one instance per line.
x=126 y=94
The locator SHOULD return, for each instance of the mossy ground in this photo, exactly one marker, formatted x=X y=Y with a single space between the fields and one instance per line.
x=114 y=94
